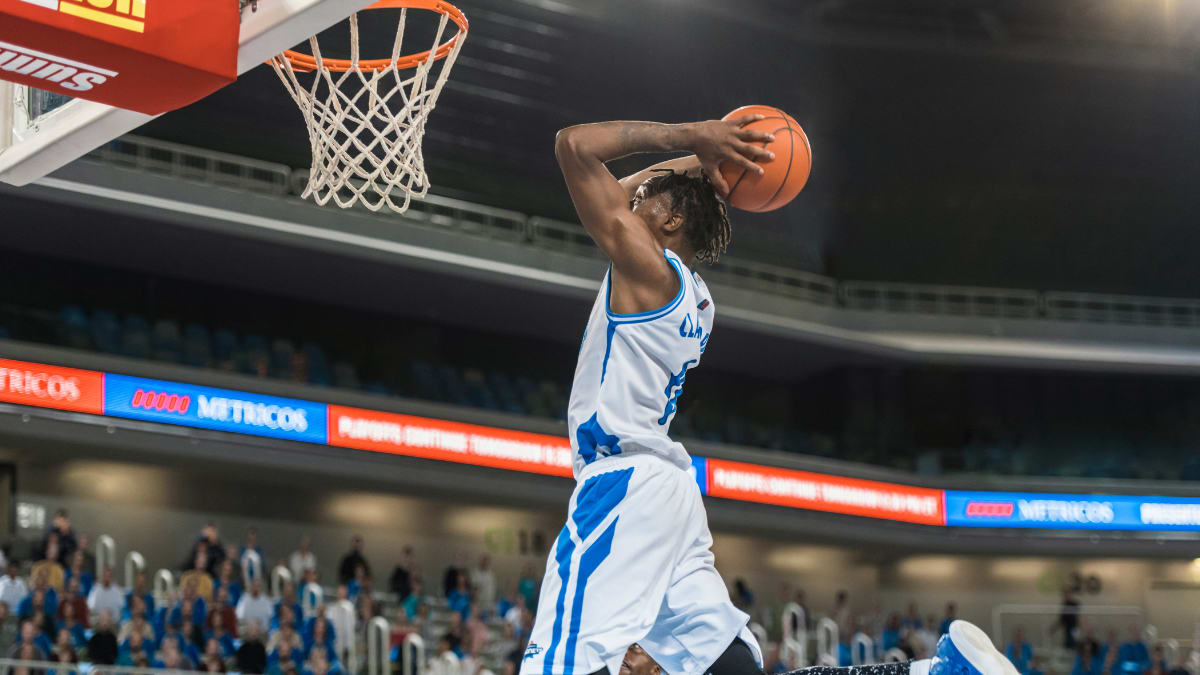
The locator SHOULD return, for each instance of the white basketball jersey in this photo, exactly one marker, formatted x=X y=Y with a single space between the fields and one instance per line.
x=631 y=372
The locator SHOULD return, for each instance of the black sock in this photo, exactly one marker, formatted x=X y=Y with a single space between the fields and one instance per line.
x=738 y=659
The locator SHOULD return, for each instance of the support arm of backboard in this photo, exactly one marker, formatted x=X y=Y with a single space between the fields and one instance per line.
x=79 y=127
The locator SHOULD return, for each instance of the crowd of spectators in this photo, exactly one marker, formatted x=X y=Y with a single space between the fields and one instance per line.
x=223 y=615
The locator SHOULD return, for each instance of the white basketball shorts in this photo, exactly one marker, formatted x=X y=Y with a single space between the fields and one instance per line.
x=633 y=565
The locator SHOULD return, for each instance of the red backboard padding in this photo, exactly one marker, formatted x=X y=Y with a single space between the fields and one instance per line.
x=145 y=55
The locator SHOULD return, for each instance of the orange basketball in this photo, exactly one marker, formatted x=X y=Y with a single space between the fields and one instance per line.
x=783 y=177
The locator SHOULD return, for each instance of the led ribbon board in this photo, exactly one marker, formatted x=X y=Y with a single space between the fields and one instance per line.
x=189 y=405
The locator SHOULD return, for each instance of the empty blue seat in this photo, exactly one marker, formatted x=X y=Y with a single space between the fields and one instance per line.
x=197 y=349
x=452 y=385
x=318 y=366
x=425 y=382
x=257 y=358
x=105 y=331
x=165 y=341
x=73 y=330
x=345 y=375
x=135 y=337
x=283 y=365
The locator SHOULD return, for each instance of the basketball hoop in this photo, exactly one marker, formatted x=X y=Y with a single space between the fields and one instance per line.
x=366 y=118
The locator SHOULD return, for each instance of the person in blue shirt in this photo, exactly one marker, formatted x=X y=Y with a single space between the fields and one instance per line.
x=1088 y=661
x=288 y=602
x=318 y=633
x=190 y=609
x=1019 y=651
x=283 y=659
x=1035 y=666
x=40 y=599
x=890 y=639
x=31 y=633
x=951 y=615
x=134 y=650
x=221 y=635
x=73 y=627
x=251 y=547
x=459 y=598
x=1133 y=656
x=227 y=579
x=78 y=571
x=142 y=591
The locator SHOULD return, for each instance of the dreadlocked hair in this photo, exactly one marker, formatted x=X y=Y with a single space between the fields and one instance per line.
x=705 y=216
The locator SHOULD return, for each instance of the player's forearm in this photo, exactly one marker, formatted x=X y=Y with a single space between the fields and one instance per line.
x=606 y=141
x=689 y=164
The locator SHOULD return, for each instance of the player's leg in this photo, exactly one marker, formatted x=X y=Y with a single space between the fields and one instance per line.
x=610 y=567
x=965 y=650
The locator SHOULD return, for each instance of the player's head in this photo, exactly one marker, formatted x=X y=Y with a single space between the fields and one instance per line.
x=638 y=662
x=685 y=209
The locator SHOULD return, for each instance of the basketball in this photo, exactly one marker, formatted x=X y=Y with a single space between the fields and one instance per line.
x=782 y=178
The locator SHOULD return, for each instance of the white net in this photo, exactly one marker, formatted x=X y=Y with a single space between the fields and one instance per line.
x=366 y=118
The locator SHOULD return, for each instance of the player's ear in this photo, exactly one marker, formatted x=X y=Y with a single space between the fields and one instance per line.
x=673 y=224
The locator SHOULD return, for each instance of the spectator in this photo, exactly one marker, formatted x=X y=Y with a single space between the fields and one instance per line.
x=311 y=594
x=1133 y=656
x=288 y=602
x=352 y=560
x=841 y=614
x=102 y=647
x=172 y=657
x=135 y=649
x=401 y=580
x=85 y=545
x=341 y=614
x=302 y=559
x=210 y=540
x=137 y=625
x=912 y=618
x=1068 y=618
x=284 y=660
x=191 y=640
x=12 y=586
x=255 y=606
x=41 y=584
x=77 y=572
x=190 y=606
x=31 y=635
x=7 y=636
x=223 y=638
x=890 y=638
x=527 y=586
x=951 y=615
x=414 y=599
x=106 y=595
x=73 y=596
x=251 y=550
x=142 y=590
x=251 y=656
x=801 y=599
x=1088 y=662
x=1035 y=666
x=743 y=597
x=221 y=608
x=1019 y=651
x=357 y=582
x=318 y=633
x=36 y=602
x=71 y=624
x=213 y=657
x=318 y=663
x=59 y=542
x=459 y=599
x=483 y=582
x=227 y=580
x=446 y=660
x=453 y=572
x=516 y=614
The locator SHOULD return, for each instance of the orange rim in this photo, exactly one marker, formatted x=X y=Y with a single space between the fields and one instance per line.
x=306 y=63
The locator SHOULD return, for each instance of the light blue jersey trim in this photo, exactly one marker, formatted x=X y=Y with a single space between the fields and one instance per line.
x=645 y=316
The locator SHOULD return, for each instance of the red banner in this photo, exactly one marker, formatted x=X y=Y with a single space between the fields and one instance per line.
x=821 y=492
x=52 y=387
x=145 y=55
x=448 y=441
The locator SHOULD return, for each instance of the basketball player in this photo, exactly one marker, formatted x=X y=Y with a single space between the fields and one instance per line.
x=632 y=564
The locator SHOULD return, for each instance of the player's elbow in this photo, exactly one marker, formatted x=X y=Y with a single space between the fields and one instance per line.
x=566 y=143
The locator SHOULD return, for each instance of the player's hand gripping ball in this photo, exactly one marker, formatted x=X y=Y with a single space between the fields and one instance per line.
x=783 y=177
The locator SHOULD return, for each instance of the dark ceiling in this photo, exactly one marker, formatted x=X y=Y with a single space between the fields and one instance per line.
x=1017 y=143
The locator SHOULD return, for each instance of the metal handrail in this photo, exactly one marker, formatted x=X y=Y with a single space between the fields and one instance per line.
x=134 y=563
x=233 y=171
x=106 y=554
x=164 y=586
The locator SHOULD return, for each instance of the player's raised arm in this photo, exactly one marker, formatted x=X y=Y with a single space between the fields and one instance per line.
x=603 y=204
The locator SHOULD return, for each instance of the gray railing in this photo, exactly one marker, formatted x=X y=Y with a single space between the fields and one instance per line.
x=477 y=220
